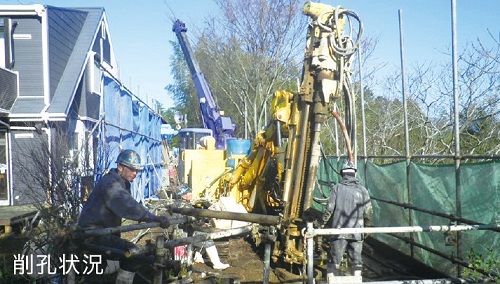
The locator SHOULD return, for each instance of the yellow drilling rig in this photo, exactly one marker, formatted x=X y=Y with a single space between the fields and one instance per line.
x=278 y=177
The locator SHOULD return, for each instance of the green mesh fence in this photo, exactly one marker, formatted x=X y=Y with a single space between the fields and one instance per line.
x=432 y=188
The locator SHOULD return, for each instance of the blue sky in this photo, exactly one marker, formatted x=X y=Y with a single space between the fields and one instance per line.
x=141 y=31
x=426 y=25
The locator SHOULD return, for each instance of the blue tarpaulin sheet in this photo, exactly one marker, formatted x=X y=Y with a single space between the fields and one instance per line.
x=128 y=123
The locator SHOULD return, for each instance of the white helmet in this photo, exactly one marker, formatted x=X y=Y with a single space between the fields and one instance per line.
x=348 y=167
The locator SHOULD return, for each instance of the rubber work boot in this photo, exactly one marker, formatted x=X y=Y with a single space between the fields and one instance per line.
x=124 y=277
x=330 y=278
x=198 y=258
x=214 y=258
x=332 y=270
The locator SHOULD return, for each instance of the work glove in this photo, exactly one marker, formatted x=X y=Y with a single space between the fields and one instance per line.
x=164 y=222
x=367 y=223
x=191 y=219
x=326 y=243
x=326 y=246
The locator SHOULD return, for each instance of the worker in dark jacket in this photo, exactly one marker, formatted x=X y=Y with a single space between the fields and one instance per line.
x=349 y=206
x=111 y=201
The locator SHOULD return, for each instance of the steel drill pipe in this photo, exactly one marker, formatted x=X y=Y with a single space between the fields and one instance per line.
x=149 y=248
x=127 y=228
x=246 y=217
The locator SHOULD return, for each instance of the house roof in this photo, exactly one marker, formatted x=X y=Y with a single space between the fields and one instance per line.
x=65 y=91
x=78 y=28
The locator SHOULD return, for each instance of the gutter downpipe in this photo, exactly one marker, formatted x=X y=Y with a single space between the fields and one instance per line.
x=9 y=163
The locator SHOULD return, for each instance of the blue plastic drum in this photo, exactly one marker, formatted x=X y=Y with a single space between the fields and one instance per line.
x=237 y=148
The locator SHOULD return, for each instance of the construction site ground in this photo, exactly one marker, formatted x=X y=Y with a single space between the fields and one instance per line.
x=247 y=265
x=381 y=263
x=245 y=260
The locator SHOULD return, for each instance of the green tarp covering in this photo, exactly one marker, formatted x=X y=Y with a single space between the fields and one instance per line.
x=432 y=188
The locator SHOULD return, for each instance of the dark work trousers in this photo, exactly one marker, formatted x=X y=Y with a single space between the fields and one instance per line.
x=204 y=244
x=354 y=248
x=114 y=242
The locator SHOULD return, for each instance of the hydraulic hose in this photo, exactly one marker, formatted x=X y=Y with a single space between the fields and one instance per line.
x=345 y=133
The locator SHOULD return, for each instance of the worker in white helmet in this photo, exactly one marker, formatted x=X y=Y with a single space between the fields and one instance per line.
x=348 y=206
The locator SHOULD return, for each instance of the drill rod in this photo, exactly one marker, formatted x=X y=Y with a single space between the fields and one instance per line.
x=246 y=217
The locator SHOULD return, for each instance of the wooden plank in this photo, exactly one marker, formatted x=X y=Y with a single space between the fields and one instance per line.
x=10 y=215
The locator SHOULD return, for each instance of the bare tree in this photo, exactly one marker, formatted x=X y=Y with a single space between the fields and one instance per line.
x=430 y=107
x=250 y=53
x=479 y=99
x=51 y=175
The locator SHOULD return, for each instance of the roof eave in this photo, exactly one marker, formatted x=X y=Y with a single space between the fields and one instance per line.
x=22 y=10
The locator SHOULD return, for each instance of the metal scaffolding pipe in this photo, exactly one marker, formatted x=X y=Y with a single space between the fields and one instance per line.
x=267 y=262
x=436 y=156
x=456 y=125
x=268 y=239
x=246 y=217
x=403 y=229
x=407 y=132
x=310 y=253
x=112 y=230
x=452 y=217
x=127 y=228
x=451 y=258
x=160 y=256
x=311 y=233
x=403 y=83
x=420 y=281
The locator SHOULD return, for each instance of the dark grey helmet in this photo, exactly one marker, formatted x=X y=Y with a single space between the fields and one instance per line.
x=348 y=165
x=130 y=158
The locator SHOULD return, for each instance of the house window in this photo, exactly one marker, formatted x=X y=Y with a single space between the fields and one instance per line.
x=106 y=47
